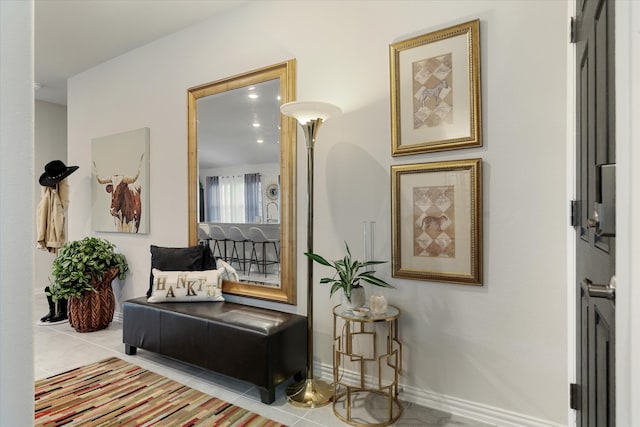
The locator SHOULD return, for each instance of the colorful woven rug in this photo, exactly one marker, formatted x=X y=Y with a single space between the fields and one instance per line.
x=113 y=392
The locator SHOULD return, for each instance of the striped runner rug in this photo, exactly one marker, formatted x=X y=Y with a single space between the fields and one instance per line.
x=113 y=392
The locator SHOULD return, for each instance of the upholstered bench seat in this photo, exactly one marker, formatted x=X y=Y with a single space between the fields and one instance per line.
x=261 y=346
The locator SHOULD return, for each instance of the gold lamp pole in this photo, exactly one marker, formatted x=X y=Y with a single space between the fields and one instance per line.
x=310 y=393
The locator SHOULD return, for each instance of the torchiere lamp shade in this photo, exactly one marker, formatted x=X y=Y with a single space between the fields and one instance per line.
x=303 y=111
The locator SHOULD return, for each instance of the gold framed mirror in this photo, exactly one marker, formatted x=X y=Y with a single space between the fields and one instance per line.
x=212 y=105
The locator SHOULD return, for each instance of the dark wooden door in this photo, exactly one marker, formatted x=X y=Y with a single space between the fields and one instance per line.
x=594 y=396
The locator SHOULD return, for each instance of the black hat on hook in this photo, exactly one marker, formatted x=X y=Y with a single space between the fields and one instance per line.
x=54 y=172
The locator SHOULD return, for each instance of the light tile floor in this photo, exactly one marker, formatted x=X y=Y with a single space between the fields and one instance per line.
x=59 y=348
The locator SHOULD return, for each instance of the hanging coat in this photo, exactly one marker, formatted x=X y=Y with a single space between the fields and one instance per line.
x=50 y=217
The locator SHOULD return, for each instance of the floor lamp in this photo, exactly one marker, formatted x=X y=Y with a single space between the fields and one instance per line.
x=310 y=392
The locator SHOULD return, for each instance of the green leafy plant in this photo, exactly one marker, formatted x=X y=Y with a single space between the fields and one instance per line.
x=347 y=273
x=81 y=261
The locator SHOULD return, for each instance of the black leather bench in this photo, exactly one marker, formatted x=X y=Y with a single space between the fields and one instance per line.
x=261 y=346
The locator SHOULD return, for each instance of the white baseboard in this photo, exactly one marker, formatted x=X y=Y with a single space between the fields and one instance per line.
x=453 y=405
x=117 y=316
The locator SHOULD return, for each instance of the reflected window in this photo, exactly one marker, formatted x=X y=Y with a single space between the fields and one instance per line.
x=234 y=199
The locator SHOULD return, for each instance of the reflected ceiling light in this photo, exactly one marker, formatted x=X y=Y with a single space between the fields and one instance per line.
x=256 y=125
x=260 y=141
x=253 y=95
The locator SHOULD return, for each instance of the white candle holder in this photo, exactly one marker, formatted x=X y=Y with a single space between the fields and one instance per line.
x=378 y=304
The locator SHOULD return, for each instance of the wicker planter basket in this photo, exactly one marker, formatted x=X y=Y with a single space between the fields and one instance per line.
x=94 y=311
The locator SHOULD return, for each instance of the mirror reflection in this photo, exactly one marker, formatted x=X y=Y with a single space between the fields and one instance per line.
x=239 y=174
x=242 y=169
x=239 y=155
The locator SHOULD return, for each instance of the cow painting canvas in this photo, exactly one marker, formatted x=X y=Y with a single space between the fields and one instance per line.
x=120 y=182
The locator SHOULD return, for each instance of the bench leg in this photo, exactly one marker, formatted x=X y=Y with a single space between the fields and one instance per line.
x=130 y=350
x=267 y=395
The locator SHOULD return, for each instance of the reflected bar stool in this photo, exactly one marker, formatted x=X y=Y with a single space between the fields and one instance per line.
x=218 y=235
x=236 y=236
x=203 y=237
x=257 y=236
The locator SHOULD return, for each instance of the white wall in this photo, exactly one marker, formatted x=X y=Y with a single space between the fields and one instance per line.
x=16 y=212
x=501 y=348
x=51 y=144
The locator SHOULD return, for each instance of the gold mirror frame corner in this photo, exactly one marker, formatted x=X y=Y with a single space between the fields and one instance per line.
x=286 y=72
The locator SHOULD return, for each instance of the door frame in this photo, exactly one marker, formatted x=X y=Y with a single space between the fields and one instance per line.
x=627 y=18
x=571 y=195
x=627 y=35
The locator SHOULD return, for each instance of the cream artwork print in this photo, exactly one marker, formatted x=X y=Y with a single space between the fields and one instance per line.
x=433 y=92
x=434 y=213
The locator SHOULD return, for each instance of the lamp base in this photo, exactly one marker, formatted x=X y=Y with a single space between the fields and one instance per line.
x=310 y=393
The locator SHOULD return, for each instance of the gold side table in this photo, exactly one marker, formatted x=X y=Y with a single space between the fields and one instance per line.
x=366 y=398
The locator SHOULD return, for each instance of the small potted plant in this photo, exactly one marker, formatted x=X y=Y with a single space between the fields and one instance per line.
x=82 y=273
x=348 y=275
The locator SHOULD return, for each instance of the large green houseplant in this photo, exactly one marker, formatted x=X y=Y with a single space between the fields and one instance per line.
x=348 y=274
x=79 y=263
x=82 y=273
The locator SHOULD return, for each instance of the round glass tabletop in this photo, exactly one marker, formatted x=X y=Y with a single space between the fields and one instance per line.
x=365 y=315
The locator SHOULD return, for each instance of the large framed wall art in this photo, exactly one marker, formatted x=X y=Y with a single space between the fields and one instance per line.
x=120 y=182
x=437 y=221
x=435 y=91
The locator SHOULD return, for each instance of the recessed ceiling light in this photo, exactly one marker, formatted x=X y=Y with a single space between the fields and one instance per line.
x=260 y=141
x=256 y=125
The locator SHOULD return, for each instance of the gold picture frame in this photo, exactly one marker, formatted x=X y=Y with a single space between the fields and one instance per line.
x=436 y=211
x=435 y=91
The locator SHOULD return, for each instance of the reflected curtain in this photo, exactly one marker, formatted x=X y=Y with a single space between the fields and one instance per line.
x=236 y=199
x=253 y=197
x=212 y=199
x=201 y=203
x=231 y=191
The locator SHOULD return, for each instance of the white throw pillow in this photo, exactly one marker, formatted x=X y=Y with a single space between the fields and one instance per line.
x=185 y=286
x=226 y=272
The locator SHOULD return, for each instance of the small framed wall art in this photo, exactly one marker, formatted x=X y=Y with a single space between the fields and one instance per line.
x=435 y=91
x=436 y=211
